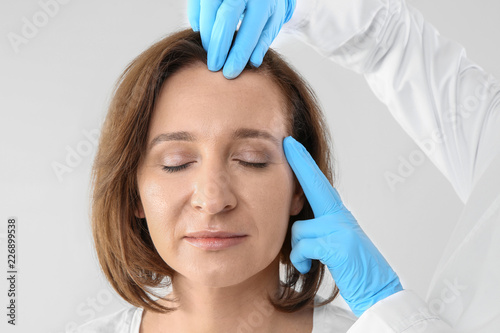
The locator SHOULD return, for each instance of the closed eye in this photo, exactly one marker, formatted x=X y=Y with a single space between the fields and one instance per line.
x=175 y=168
x=253 y=165
x=184 y=166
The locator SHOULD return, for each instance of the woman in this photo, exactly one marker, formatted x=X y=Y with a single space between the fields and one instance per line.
x=192 y=190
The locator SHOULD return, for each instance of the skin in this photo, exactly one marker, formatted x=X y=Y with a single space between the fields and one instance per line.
x=220 y=290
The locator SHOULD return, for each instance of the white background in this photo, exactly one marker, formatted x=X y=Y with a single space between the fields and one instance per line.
x=58 y=85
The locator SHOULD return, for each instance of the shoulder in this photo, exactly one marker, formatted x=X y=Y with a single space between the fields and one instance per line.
x=126 y=320
x=331 y=318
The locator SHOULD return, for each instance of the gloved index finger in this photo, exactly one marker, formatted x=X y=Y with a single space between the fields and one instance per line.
x=208 y=13
x=226 y=22
x=322 y=197
x=247 y=38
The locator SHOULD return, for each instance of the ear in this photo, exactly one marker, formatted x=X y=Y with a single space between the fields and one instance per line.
x=139 y=210
x=298 y=198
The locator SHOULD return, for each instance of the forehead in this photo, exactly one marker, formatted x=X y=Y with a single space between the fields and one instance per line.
x=196 y=99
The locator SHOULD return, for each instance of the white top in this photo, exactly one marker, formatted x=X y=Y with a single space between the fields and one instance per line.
x=396 y=313
x=326 y=319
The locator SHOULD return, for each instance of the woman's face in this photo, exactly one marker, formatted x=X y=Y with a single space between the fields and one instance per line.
x=215 y=163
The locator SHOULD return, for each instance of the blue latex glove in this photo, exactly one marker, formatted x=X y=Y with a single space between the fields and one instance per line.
x=217 y=21
x=335 y=238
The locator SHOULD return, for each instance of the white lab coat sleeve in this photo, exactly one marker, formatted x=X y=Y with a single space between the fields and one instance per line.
x=404 y=312
x=445 y=102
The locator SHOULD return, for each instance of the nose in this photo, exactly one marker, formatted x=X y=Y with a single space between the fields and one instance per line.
x=213 y=193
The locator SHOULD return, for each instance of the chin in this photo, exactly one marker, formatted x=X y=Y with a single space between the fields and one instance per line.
x=225 y=272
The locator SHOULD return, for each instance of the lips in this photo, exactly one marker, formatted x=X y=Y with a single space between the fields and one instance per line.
x=214 y=234
x=214 y=240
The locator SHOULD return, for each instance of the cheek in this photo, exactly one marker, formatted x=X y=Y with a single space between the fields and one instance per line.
x=270 y=199
x=155 y=199
x=161 y=204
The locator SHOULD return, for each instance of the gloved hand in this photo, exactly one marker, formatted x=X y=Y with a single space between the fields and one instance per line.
x=335 y=238
x=217 y=21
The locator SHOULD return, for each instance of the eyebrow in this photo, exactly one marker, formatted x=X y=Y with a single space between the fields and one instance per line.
x=240 y=133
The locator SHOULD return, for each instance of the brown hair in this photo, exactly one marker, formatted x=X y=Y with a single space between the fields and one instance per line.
x=124 y=247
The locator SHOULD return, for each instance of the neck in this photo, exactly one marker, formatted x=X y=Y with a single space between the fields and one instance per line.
x=243 y=307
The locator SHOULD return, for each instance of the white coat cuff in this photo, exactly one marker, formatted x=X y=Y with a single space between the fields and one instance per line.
x=403 y=311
